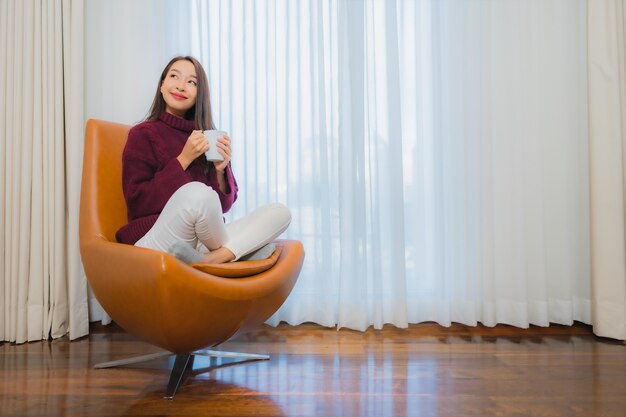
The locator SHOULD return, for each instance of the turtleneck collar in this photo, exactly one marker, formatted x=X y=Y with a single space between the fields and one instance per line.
x=177 y=122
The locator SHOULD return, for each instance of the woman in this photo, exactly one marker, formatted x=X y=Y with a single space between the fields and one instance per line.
x=175 y=198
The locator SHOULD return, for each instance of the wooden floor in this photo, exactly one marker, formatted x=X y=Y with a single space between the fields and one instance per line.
x=426 y=370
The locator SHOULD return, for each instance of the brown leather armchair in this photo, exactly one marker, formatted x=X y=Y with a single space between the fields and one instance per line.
x=153 y=295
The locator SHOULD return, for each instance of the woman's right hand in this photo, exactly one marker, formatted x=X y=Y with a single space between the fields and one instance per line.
x=195 y=146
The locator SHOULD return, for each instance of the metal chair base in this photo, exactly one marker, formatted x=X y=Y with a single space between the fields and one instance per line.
x=183 y=364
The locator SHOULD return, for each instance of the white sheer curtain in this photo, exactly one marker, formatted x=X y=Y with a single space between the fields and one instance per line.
x=40 y=141
x=607 y=139
x=434 y=153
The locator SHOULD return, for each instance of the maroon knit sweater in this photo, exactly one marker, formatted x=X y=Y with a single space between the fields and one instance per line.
x=151 y=173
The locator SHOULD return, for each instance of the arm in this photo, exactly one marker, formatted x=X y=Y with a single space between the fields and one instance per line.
x=147 y=182
x=224 y=184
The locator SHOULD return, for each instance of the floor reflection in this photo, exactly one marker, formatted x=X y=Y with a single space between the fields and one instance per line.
x=477 y=375
x=381 y=385
x=206 y=398
x=321 y=372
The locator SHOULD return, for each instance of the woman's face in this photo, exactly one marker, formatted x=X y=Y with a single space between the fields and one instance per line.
x=179 y=88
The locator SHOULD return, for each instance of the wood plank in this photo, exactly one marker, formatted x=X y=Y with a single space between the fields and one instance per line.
x=425 y=370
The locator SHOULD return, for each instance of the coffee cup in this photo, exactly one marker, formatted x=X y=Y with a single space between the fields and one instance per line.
x=213 y=135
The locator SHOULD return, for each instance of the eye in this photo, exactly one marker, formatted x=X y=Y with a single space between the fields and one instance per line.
x=192 y=82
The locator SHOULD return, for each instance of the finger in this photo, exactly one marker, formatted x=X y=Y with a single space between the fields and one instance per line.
x=193 y=140
x=225 y=152
x=201 y=145
x=201 y=139
x=225 y=141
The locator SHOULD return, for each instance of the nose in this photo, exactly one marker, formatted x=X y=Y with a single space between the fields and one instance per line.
x=180 y=86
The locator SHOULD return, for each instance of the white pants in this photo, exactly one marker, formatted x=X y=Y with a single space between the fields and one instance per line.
x=194 y=214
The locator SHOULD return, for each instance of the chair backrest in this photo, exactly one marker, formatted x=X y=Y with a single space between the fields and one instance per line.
x=102 y=205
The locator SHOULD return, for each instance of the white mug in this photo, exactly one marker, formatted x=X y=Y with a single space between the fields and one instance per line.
x=213 y=135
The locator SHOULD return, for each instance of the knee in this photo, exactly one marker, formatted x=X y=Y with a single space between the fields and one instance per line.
x=281 y=213
x=198 y=196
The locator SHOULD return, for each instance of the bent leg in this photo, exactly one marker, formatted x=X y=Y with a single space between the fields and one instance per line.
x=193 y=212
x=257 y=229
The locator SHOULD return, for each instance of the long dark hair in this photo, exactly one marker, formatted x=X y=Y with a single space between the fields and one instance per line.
x=200 y=113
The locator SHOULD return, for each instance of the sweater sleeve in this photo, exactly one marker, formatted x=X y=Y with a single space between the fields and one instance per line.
x=147 y=183
x=227 y=199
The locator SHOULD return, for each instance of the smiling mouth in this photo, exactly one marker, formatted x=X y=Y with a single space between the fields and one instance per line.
x=178 y=96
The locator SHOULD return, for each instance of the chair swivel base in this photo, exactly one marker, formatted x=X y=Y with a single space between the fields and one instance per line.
x=182 y=365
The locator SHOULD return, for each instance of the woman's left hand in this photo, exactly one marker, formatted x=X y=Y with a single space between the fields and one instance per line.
x=223 y=148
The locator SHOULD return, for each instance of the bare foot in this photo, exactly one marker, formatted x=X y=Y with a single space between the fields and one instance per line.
x=219 y=256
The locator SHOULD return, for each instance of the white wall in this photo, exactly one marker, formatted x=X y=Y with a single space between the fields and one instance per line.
x=120 y=82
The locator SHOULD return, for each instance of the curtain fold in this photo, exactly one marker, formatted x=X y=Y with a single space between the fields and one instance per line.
x=607 y=139
x=41 y=118
x=73 y=106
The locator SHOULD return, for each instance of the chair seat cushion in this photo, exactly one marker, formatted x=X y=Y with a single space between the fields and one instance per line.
x=240 y=269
